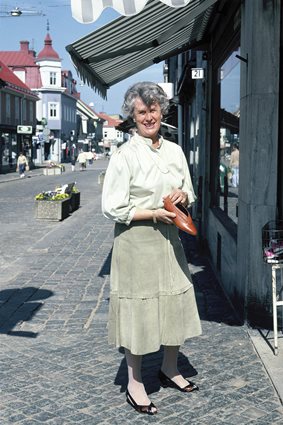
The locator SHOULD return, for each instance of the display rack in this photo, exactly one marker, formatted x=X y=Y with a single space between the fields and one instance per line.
x=272 y=247
x=276 y=300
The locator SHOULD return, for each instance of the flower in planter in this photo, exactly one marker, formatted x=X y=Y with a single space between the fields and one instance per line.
x=51 y=196
x=75 y=189
x=52 y=164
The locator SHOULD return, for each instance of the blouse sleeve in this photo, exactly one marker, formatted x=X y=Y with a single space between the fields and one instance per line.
x=116 y=204
x=187 y=182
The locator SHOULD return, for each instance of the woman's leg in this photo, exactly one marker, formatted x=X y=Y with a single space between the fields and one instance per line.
x=235 y=177
x=170 y=365
x=135 y=384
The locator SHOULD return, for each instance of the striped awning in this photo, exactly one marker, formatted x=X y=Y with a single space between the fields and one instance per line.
x=87 y=11
x=130 y=44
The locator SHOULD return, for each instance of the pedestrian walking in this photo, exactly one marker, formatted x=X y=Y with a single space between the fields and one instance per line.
x=89 y=156
x=82 y=160
x=152 y=300
x=22 y=164
x=73 y=163
x=234 y=165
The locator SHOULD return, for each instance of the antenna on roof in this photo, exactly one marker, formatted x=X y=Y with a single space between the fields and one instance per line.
x=48 y=26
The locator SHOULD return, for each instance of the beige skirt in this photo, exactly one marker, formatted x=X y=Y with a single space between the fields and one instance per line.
x=152 y=299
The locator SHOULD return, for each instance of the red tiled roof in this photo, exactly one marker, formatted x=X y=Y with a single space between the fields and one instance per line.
x=11 y=58
x=23 y=60
x=13 y=82
x=112 y=122
x=48 y=52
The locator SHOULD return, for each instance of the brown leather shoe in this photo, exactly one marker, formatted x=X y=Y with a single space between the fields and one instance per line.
x=183 y=219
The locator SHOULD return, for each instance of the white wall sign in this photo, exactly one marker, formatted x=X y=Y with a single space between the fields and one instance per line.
x=24 y=129
x=197 y=73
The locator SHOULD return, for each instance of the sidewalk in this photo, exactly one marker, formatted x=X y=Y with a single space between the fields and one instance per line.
x=8 y=177
x=56 y=365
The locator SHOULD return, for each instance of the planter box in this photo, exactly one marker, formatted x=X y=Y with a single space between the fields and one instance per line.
x=52 y=210
x=75 y=201
x=52 y=171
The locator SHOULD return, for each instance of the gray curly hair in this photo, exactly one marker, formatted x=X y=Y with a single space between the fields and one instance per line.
x=149 y=93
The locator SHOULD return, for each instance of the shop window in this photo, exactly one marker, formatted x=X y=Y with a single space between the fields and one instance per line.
x=8 y=149
x=17 y=108
x=229 y=137
x=24 y=113
x=8 y=106
x=31 y=111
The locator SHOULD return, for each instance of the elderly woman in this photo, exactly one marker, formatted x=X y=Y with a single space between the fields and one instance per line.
x=152 y=300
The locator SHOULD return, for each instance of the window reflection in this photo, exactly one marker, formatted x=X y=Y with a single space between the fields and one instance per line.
x=229 y=80
x=8 y=149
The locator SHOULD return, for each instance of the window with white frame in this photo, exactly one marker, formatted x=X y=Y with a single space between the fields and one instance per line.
x=52 y=78
x=53 y=110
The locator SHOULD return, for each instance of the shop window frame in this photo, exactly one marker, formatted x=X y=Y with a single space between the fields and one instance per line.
x=225 y=42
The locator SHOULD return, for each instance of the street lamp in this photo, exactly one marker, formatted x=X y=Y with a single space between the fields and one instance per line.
x=16 y=12
x=6 y=13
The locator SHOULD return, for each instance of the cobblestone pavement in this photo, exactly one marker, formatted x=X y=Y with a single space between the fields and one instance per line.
x=55 y=364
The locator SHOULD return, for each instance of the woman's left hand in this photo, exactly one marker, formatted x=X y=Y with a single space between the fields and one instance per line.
x=178 y=196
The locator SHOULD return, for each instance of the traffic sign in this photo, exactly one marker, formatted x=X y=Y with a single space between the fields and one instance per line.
x=24 y=129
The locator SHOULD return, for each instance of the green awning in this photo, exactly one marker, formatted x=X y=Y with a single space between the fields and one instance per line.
x=128 y=45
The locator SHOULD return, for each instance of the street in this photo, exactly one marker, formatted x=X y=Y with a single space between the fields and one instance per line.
x=56 y=365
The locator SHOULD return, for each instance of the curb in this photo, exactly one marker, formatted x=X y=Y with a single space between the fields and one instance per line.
x=12 y=179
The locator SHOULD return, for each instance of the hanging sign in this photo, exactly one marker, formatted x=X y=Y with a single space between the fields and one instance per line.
x=24 y=129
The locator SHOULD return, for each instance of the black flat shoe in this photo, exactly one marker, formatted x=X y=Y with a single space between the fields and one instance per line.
x=139 y=408
x=167 y=382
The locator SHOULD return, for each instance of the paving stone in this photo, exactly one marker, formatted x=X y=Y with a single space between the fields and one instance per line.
x=54 y=371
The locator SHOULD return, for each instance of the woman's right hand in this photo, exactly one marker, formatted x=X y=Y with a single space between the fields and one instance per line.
x=164 y=215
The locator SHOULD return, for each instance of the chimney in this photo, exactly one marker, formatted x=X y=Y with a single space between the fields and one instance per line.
x=24 y=46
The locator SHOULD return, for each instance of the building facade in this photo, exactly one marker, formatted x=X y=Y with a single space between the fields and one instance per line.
x=56 y=90
x=112 y=136
x=17 y=119
x=236 y=101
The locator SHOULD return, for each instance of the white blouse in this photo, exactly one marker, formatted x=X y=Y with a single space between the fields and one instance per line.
x=139 y=176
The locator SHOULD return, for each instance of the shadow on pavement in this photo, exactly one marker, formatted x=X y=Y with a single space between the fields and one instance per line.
x=212 y=303
x=19 y=305
x=150 y=366
x=105 y=269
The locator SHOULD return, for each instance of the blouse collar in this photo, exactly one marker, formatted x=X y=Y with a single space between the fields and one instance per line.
x=147 y=141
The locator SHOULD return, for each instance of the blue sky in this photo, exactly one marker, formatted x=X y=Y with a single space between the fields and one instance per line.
x=64 y=30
